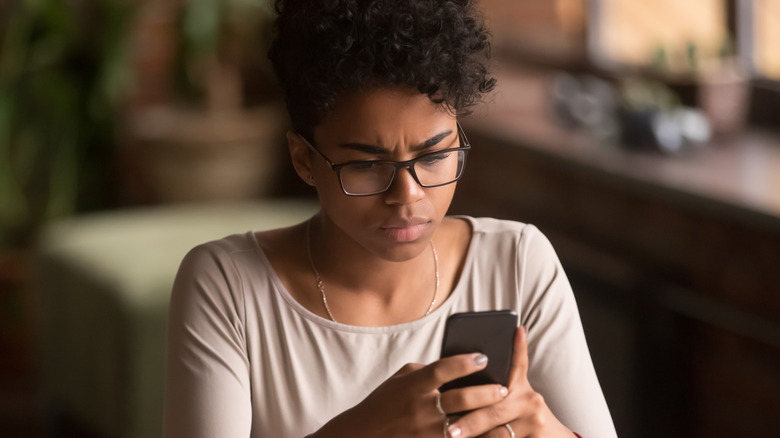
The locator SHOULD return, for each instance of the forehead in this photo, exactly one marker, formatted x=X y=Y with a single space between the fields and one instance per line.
x=384 y=114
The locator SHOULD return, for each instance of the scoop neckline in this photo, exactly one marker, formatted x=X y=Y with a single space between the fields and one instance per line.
x=307 y=314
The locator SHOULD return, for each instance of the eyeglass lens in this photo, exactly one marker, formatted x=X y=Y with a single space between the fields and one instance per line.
x=433 y=169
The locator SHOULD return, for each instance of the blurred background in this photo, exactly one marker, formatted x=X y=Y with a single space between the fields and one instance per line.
x=641 y=137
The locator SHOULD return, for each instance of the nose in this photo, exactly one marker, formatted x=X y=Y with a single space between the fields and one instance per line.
x=404 y=188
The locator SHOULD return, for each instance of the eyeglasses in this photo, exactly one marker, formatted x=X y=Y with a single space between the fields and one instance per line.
x=434 y=169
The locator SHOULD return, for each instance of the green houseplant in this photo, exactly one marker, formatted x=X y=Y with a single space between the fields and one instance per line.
x=63 y=69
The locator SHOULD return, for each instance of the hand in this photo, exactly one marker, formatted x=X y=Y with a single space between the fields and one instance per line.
x=523 y=408
x=405 y=404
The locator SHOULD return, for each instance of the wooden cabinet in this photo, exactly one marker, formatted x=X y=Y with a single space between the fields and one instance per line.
x=678 y=288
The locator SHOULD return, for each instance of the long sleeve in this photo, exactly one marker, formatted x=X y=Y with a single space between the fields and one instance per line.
x=246 y=359
x=207 y=392
x=560 y=364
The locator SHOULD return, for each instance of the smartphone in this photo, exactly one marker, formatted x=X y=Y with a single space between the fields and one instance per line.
x=491 y=333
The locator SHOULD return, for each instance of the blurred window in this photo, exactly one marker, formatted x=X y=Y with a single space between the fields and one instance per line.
x=672 y=36
x=766 y=38
x=682 y=39
x=686 y=36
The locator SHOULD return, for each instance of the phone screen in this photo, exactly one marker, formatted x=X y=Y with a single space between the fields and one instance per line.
x=491 y=333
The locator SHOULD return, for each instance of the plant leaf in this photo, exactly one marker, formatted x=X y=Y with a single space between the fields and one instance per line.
x=202 y=20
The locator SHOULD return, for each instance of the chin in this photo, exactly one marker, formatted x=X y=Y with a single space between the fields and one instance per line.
x=403 y=251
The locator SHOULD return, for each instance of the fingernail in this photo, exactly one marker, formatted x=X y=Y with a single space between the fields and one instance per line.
x=453 y=431
x=480 y=359
x=503 y=391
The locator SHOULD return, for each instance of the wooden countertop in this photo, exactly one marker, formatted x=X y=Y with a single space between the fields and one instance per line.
x=738 y=177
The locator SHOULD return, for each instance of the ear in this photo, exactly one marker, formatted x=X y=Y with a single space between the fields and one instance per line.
x=301 y=157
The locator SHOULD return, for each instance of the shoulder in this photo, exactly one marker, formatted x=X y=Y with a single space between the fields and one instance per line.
x=519 y=250
x=229 y=244
x=491 y=233
x=219 y=253
x=216 y=271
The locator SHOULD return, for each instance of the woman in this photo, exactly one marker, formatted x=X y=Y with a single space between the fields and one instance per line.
x=332 y=327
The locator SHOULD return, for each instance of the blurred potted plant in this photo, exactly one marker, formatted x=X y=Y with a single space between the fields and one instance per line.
x=217 y=141
x=62 y=74
x=724 y=92
x=712 y=80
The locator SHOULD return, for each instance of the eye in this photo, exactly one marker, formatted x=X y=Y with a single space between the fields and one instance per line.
x=363 y=165
x=434 y=158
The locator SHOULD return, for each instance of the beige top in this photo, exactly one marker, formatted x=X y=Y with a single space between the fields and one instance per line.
x=247 y=360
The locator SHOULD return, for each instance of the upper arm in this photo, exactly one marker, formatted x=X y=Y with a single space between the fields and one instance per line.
x=560 y=364
x=207 y=387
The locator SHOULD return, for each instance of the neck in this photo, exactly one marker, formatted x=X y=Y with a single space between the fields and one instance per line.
x=360 y=282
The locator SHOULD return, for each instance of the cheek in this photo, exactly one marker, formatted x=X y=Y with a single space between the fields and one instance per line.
x=354 y=217
x=346 y=210
x=441 y=197
x=326 y=179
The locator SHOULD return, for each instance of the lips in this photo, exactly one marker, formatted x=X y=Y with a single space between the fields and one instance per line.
x=405 y=231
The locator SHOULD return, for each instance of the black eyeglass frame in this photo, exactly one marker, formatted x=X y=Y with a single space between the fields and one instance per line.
x=336 y=167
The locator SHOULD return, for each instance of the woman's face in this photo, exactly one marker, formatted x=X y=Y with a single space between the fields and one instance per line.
x=395 y=124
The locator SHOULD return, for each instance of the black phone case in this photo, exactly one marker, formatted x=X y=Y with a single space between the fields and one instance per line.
x=491 y=333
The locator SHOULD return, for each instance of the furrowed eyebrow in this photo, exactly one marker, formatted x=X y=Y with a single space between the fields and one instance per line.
x=378 y=150
x=433 y=141
x=366 y=148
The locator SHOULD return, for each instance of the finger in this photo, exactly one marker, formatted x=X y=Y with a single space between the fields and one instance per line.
x=502 y=431
x=481 y=420
x=408 y=369
x=450 y=368
x=519 y=371
x=473 y=397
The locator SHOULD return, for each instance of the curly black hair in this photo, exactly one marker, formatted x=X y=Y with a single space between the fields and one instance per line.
x=325 y=48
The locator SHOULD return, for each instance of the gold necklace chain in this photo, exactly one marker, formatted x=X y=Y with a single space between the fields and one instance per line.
x=321 y=284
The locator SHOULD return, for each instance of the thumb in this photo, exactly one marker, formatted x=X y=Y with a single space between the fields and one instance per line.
x=520 y=359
